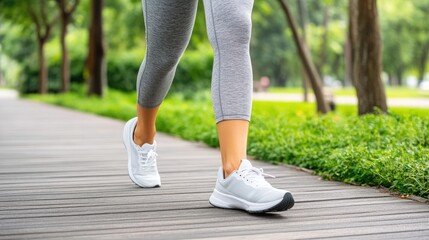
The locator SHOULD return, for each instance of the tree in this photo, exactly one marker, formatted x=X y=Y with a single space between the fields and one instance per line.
x=420 y=32
x=422 y=60
x=38 y=13
x=302 y=10
x=365 y=45
x=96 y=52
x=269 y=29
x=326 y=31
x=66 y=11
x=316 y=83
x=401 y=35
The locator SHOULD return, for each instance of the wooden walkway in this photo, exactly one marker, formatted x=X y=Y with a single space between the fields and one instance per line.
x=63 y=176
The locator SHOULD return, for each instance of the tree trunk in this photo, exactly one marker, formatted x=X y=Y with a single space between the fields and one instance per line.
x=399 y=74
x=97 y=77
x=302 y=15
x=422 y=63
x=322 y=105
x=89 y=59
x=43 y=70
x=65 y=64
x=43 y=31
x=65 y=13
x=336 y=65
x=366 y=56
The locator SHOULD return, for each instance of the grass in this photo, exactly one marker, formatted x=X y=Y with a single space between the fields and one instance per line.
x=392 y=92
x=377 y=150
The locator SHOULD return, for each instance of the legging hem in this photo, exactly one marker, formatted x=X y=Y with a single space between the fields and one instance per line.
x=148 y=106
x=232 y=117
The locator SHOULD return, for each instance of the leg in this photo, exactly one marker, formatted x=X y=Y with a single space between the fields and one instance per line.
x=239 y=184
x=229 y=28
x=233 y=143
x=145 y=129
x=168 y=30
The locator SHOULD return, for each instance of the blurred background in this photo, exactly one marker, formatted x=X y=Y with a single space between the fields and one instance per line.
x=64 y=29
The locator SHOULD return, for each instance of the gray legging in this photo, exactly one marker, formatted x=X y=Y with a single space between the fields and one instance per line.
x=169 y=25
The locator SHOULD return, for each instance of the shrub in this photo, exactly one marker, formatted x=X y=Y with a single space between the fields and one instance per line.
x=122 y=70
x=193 y=72
x=77 y=56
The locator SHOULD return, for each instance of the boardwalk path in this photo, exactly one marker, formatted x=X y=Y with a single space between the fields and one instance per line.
x=63 y=175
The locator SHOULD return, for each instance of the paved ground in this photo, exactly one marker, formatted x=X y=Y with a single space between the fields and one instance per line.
x=63 y=176
x=347 y=100
x=8 y=93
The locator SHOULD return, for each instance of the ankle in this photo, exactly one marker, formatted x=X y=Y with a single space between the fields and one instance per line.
x=141 y=137
x=228 y=169
x=141 y=141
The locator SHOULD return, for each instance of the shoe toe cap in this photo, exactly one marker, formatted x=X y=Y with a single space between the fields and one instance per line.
x=272 y=195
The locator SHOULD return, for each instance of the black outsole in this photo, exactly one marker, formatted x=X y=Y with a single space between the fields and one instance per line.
x=287 y=203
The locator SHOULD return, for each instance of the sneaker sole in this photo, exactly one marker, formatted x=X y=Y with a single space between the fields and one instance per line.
x=127 y=147
x=226 y=201
x=287 y=203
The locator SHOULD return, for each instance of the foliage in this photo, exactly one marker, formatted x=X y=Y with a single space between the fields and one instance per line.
x=272 y=49
x=390 y=151
x=282 y=63
x=122 y=69
x=405 y=33
x=28 y=82
x=193 y=72
x=273 y=52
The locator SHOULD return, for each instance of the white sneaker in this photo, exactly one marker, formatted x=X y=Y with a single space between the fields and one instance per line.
x=248 y=190
x=142 y=167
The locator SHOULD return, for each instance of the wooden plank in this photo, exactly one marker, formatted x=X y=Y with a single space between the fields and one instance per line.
x=198 y=231
x=63 y=175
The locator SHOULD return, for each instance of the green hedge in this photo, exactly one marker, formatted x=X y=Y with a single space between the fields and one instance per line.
x=390 y=151
x=193 y=72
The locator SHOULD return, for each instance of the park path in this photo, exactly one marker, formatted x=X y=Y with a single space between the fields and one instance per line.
x=63 y=176
x=340 y=100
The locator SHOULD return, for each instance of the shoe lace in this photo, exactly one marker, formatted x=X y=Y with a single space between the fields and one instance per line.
x=255 y=176
x=147 y=160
